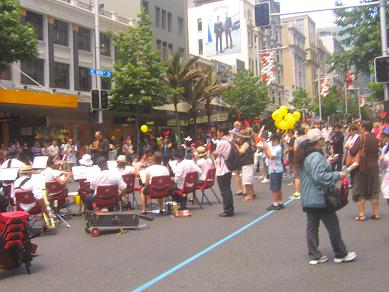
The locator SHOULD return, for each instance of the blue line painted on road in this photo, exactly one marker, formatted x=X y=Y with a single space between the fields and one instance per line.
x=204 y=251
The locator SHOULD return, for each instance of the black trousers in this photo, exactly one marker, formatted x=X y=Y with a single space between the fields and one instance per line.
x=224 y=183
x=3 y=204
x=228 y=36
x=331 y=223
x=219 y=43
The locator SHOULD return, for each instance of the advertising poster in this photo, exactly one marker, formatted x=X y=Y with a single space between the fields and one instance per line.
x=222 y=28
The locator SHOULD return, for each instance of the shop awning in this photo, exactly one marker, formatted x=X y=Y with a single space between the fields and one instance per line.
x=12 y=96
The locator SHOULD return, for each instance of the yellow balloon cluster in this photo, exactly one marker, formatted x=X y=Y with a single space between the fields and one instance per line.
x=144 y=128
x=284 y=120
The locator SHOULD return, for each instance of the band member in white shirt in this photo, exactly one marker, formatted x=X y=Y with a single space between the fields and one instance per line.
x=183 y=167
x=122 y=165
x=52 y=174
x=156 y=169
x=204 y=162
x=105 y=176
x=12 y=161
x=25 y=183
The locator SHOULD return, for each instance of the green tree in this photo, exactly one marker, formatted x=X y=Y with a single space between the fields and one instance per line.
x=361 y=35
x=179 y=77
x=138 y=69
x=18 y=41
x=332 y=102
x=376 y=91
x=247 y=94
x=302 y=102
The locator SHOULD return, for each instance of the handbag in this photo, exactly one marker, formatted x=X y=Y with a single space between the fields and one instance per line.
x=336 y=198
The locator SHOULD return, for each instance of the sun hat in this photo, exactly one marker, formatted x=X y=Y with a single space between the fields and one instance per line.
x=200 y=151
x=314 y=135
x=243 y=134
x=25 y=168
x=122 y=158
x=86 y=160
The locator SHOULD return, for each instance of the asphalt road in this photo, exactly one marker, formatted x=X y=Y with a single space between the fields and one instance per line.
x=270 y=255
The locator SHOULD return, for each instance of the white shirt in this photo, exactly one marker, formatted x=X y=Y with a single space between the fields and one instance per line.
x=107 y=177
x=156 y=170
x=53 y=150
x=183 y=167
x=51 y=174
x=15 y=163
x=205 y=164
x=27 y=186
x=126 y=170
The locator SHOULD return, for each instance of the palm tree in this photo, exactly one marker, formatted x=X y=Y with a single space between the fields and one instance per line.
x=178 y=77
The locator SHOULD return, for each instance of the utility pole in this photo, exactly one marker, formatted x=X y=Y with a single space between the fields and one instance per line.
x=97 y=52
x=384 y=44
x=345 y=98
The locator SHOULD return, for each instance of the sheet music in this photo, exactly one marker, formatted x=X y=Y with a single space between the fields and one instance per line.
x=9 y=174
x=173 y=165
x=112 y=164
x=40 y=162
x=79 y=172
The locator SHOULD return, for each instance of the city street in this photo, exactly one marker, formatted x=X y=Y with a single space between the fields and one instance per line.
x=268 y=256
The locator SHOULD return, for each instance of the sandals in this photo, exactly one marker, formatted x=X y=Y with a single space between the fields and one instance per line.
x=360 y=218
x=247 y=199
x=375 y=217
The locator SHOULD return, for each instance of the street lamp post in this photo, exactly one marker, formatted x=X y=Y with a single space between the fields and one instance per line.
x=97 y=52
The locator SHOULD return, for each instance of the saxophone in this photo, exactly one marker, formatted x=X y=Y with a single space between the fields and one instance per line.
x=96 y=145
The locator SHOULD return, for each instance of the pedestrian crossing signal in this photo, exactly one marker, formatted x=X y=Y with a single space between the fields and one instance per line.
x=262 y=14
x=95 y=99
x=104 y=100
x=381 y=65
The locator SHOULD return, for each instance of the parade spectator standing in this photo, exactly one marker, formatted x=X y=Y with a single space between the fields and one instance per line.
x=366 y=184
x=266 y=160
x=128 y=149
x=167 y=150
x=45 y=149
x=385 y=159
x=36 y=149
x=336 y=142
x=316 y=173
x=53 y=149
x=290 y=153
x=70 y=152
x=274 y=153
x=223 y=174
x=300 y=133
x=243 y=140
x=349 y=158
x=259 y=157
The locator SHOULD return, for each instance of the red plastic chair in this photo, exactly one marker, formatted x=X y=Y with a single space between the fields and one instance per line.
x=57 y=195
x=27 y=197
x=84 y=190
x=160 y=187
x=107 y=196
x=129 y=179
x=208 y=184
x=190 y=182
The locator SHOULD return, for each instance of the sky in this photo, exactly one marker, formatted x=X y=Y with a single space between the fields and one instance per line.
x=322 y=19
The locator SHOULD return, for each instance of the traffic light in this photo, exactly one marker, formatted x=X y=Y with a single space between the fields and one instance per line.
x=381 y=65
x=104 y=99
x=95 y=99
x=262 y=14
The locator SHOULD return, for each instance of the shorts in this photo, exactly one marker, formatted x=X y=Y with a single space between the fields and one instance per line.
x=247 y=174
x=276 y=181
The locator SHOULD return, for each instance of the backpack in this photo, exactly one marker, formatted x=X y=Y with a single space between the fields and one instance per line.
x=233 y=159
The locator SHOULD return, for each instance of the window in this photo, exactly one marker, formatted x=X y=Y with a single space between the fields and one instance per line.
x=180 y=26
x=61 y=33
x=170 y=49
x=84 y=39
x=106 y=83
x=33 y=68
x=145 y=6
x=169 y=22
x=105 y=44
x=85 y=80
x=199 y=25
x=201 y=47
x=36 y=20
x=159 y=45
x=61 y=75
x=164 y=51
x=163 y=19
x=157 y=16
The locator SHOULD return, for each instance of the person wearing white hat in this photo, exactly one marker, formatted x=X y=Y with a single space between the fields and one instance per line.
x=315 y=173
x=86 y=160
x=123 y=167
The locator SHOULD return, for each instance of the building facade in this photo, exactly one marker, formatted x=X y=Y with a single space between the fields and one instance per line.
x=169 y=21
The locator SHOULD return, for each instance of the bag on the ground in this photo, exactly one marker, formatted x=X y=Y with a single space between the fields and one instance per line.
x=336 y=198
x=233 y=159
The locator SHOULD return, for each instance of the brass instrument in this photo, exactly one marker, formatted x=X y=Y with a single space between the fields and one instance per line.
x=48 y=215
x=96 y=145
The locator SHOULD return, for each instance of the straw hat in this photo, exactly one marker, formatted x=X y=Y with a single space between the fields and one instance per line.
x=86 y=160
x=122 y=158
x=200 y=151
x=25 y=168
